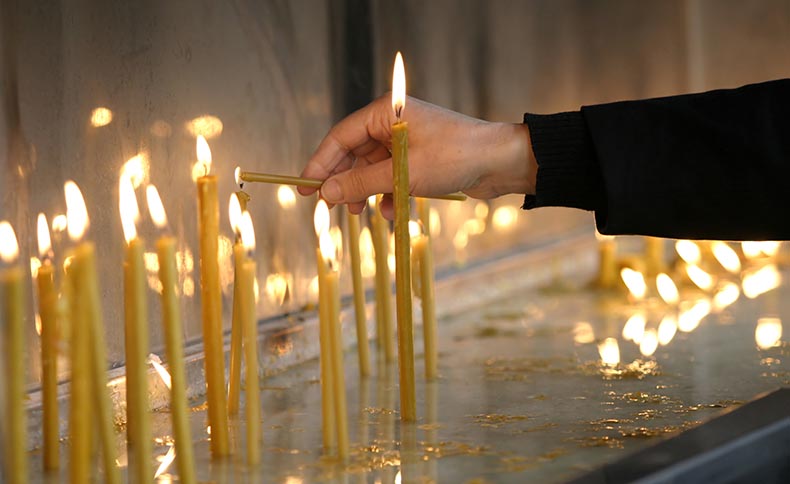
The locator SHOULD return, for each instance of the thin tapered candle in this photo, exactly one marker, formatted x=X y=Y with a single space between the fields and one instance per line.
x=211 y=299
x=234 y=385
x=13 y=316
x=359 y=295
x=246 y=281
x=136 y=324
x=48 y=311
x=174 y=336
x=298 y=181
x=383 y=281
x=321 y=222
x=400 y=196
x=428 y=299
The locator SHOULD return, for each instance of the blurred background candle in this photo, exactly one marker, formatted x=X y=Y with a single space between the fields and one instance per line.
x=321 y=224
x=400 y=196
x=174 y=336
x=211 y=299
x=13 y=316
x=234 y=384
x=136 y=316
x=422 y=256
x=359 y=294
x=48 y=311
x=379 y=228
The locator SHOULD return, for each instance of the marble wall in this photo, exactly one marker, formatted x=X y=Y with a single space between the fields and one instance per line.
x=262 y=80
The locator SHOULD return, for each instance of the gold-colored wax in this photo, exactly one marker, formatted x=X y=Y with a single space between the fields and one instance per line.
x=359 y=295
x=338 y=372
x=236 y=331
x=327 y=398
x=400 y=195
x=174 y=347
x=211 y=300
x=48 y=311
x=428 y=298
x=81 y=395
x=246 y=282
x=136 y=312
x=384 y=326
x=13 y=316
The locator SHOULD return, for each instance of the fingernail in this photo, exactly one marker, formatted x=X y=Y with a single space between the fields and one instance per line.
x=331 y=191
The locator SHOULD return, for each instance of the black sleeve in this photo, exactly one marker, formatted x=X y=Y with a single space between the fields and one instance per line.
x=714 y=165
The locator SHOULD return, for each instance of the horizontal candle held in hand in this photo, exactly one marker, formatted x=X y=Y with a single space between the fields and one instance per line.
x=251 y=177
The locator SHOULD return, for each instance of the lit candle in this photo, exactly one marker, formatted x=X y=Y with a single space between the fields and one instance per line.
x=174 y=337
x=422 y=256
x=607 y=261
x=400 y=196
x=359 y=295
x=90 y=399
x=380 y=236
x=211 y=299
x=327 y=247
x=13 y=315
x=136 y=318
x=48 y=310
x=234 y=385
x=321 y=222
x=246 y=282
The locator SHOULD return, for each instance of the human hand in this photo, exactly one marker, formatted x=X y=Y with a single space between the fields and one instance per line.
x=448 y=152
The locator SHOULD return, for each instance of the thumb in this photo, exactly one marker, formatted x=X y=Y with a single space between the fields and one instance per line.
x=357 y=184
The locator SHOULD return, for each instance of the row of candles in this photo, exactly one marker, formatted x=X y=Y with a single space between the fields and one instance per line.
x=78 y=306
x=708 y=266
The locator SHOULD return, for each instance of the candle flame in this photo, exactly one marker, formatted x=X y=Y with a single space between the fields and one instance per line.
x=286 y=196
x=203 y=154
x=44 y=240
x=76 y=211
x=247 y=232
x=667 y=289
x=583 y=333
x=751 y=249
x=768 y=333
x=60 y=223
x=234 y=213
x=277 y=287
x=136 y=169
x=726 y=296
x=237 y=175
x=206 y=125
x=415 y=229
x=481 y=210
x=398 y=86
x=634 y=328
x=35 y=265
x=155 y=207
x=327 y=246
x=770 y=248
x=337 y=237
x=9 y=247
x=649 y=343
x=130 y=211
x=367 y=253
x=699 y=277
x=504 y=217
x=726 y=256
x=667 y=329
x=372 y=200
x=761 y=281
x=690 y=318
x=101 y=116
x=435 y=222
x=688 y=251
x=609 y=351
x=635 y=282
x=321 y=218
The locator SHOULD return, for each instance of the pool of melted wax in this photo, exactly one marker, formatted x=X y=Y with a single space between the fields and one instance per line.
x=523 y=396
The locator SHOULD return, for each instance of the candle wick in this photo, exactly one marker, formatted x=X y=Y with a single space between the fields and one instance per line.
x=398 y=109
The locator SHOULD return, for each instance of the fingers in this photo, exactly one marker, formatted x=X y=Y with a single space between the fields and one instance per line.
x=358 y=183
x=357 y=130
x=356 y=208
x=387 y=207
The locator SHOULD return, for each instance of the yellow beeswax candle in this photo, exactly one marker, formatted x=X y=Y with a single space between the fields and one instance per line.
x=211 y=299
x=384 y=325
x=246 y=281
x=359 y=295
x=48 y=311
x=332 y=299
x=136 y=330
x=89 y=361
x=428 y=299
x=321 y=221
x=13 y=316
x=234 y=385
x=174 y=346
x=654 y=256
x=400 y=196
x=607 y=261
